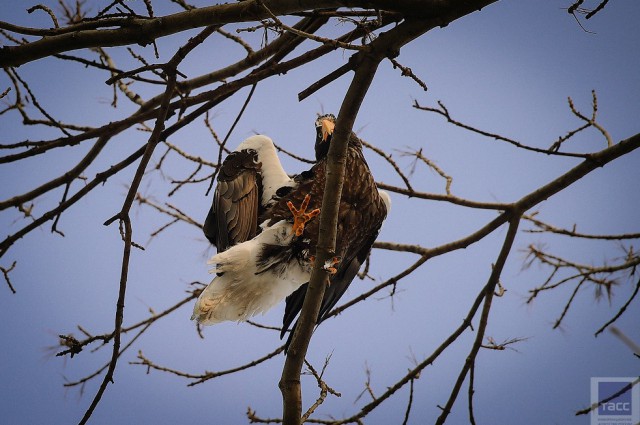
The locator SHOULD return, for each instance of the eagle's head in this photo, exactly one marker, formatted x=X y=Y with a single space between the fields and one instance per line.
x=324 y=130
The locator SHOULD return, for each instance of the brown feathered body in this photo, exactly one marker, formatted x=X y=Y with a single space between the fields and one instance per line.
x=361 y=213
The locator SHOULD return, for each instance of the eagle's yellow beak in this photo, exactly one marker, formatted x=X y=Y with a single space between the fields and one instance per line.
x=327 y=129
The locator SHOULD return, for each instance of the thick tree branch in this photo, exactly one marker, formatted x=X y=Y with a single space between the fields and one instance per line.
x=290 y=381
x=172 y=70
x=388 y=44
x=144 y=31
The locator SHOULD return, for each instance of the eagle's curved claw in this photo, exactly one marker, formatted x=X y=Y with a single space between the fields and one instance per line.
x=300 y=216
x=329 y=264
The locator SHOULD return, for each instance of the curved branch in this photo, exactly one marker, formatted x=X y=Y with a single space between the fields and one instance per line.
x=489 y=292
x=290 y=381
x=200 y=378
x=144 y=31
x=66 y=178
x=620 y=311
x=141 y=31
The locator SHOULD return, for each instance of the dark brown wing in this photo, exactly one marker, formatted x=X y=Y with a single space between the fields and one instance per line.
x=233 y=216
x=340 y=282
x=360 y=217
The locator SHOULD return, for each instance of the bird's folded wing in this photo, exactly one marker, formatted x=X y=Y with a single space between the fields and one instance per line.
x=233 y=216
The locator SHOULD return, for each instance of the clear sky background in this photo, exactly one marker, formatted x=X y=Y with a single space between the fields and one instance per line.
x=507 y=69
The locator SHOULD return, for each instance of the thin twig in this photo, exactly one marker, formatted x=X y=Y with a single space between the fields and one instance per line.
x=407 y=72
x=409 y=403
x=545 y=227
x=472 y=369
x=200 y=378
x=390 y=160
x=5 y=272
x=123 y=215
x=327 y=41
x=324 y=390
x=108 y=377
x=48 y=11
x=443 y=111
x=103 y=368
x=488 y=291
x=620 y=311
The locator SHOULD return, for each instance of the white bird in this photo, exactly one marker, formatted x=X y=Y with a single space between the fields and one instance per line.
x=255 y=267
x=248 y=182
x=248 y=281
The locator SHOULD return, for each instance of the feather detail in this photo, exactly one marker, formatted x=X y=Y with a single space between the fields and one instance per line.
x=248 y=183
x=242 y=288
x=273 y=175
x=259 y=266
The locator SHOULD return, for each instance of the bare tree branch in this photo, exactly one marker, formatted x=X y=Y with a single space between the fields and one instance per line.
x=123 y=215
x=5 y=273
x=489 y=291
x=377 y=30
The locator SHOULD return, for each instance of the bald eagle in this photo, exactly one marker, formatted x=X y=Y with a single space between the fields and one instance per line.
x=266 y=244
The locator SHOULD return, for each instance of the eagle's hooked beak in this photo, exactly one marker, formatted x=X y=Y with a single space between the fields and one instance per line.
x=327 y=129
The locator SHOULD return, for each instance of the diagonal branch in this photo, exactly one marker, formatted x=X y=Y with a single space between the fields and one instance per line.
x=443 y=111
x=489 y=292
x=143 y=30
x=290 y=381
x=123 y=215
x=203 y=377
x=388 y=43
x=119 y=317
x=139 y=30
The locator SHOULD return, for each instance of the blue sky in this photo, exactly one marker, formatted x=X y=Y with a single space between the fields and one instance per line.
x=507 y=69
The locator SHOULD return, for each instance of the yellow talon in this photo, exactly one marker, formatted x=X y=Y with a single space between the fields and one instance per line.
x=329 y=264
x=300 y=216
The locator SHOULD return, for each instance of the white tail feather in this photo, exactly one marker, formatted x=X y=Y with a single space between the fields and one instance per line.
x=238 y=293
